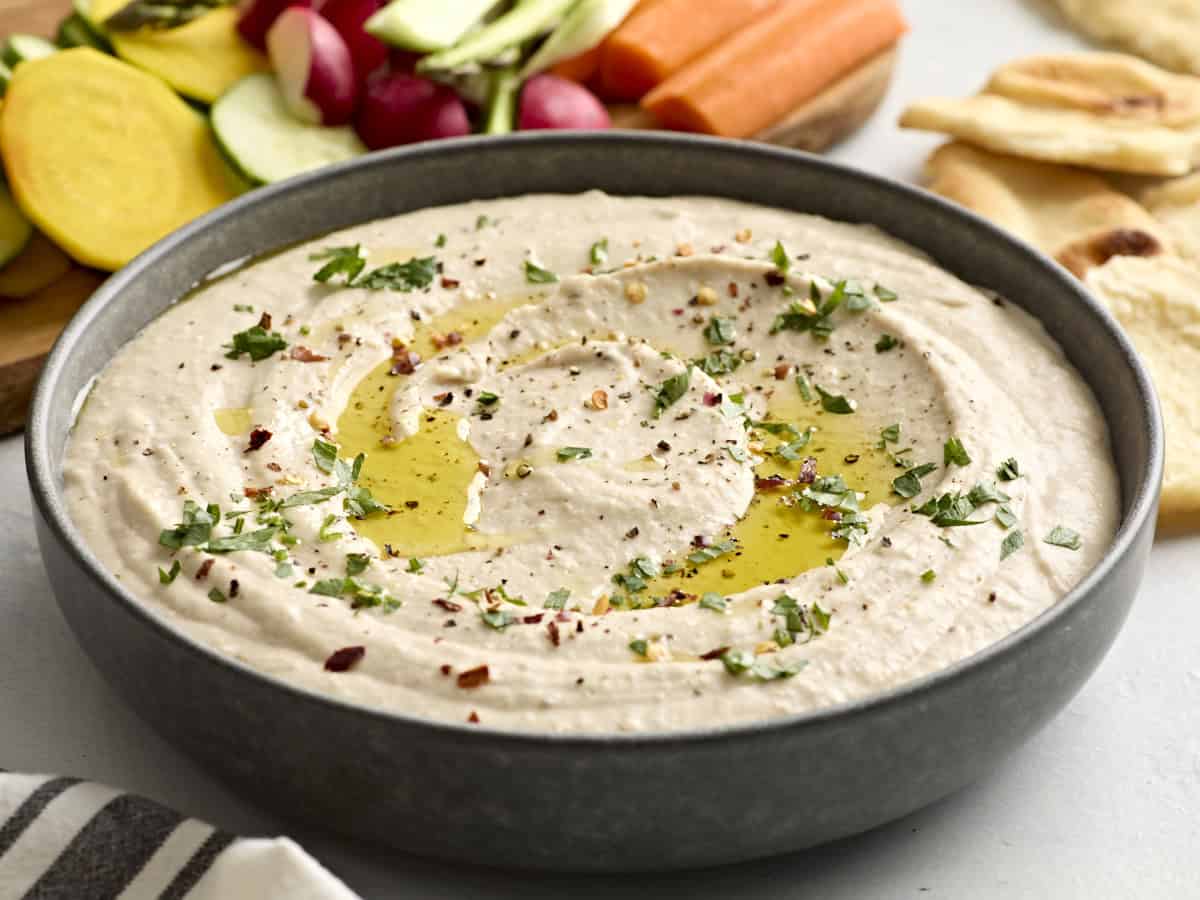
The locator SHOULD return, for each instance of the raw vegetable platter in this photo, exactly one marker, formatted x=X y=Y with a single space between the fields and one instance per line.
x=136 y=117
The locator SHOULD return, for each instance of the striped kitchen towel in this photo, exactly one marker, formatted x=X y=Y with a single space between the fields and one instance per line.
x=66 y=839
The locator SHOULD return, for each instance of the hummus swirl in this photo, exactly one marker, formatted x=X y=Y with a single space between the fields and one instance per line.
x=594 y=464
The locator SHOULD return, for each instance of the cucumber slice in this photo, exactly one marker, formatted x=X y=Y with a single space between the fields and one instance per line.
x=426 y=25
x=21 y=48
x=15 y=229
x=74 y=31
x=267 y=143
x=524 y=21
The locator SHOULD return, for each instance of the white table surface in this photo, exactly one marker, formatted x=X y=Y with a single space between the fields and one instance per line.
x=1104 y=803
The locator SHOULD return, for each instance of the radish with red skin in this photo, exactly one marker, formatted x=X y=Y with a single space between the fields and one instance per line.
x=348 y=17
x=548 y=101
x=257 y=16
x=313 y=64
x=399 y=108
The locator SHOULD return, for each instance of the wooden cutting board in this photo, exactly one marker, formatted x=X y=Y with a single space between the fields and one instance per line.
x=28 y=327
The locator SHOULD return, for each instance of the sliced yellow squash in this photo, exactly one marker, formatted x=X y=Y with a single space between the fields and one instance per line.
x=201 y=59
x=104 y=158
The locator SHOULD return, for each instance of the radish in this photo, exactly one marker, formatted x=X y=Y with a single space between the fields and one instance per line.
x=348 y=17
x=315 y=70
x=255 y=18
x=552 y=102
x=399 y=108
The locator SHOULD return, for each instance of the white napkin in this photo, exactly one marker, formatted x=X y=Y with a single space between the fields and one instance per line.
x=66 y=838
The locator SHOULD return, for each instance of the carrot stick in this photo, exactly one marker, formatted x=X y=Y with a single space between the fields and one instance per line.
x=663 y=36
x=580 y=67
x=773 y=65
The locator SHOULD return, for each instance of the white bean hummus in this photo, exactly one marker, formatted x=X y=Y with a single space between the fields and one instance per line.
x=594 y=464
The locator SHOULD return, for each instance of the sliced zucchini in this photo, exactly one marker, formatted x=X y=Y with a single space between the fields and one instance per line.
x=267 y=143
x=15 y=229
x=76 y=32
x=524 y=21
x=21 y=48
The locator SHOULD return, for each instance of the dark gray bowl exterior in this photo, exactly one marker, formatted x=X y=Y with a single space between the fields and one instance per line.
x=596 y=803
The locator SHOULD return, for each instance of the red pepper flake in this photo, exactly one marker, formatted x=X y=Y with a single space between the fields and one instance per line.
x=552 y=631
x=831 y=515
x=715 y=653
x=473 y=718
x=264 y=321
x=678 y=311
x=274 y=467
x=448 y=605
x=535 y=619
x=781 y=371
x=808 y=470
x=205 y=568
x=770 y=483
x=344 y=659
x=551 y=416
x=234 y=587
x=473 y=678
x=775 y=279
x=254 y=493
x=711 y=398
x=303 y=354
x=404 y=361
x=446 y=669
x=444 y=399
x=733 y=289
x=449 y=283
x=258 y=437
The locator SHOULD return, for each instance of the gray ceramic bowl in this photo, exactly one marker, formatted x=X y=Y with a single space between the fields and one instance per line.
x=627 y=802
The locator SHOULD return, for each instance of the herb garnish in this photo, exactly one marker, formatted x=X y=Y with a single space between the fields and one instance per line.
x=639 y=646
x=598 y=254
x=362 y=596
x=257 y=342
x=885 y=343
x=557 y=599
x=890 y=435
x=737 y=662
x=1005 y=517
x=499 y=619
x=195 y=529
x=719 y=362
x=886 y=295
x=167 y=577
x=535 y=274
x=670 y=391
x=808 y=621
x=804 y=388
x=345 y=261
x=1009 y=470
x=928 y=576
x=416 y=566
x=954 y=452
x=356 y=563
x=835 y=403
x=815 y=316
x=406 y=276
x=1012 y=543
x=714 y=601
x=1061 y=536
x=565 y=454
x=216 y=595
x=780 y=258
x=909 y=484
x=711 y=552
x=720 y=331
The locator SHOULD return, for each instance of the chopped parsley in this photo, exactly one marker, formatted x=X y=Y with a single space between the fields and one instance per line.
x=805 y=388
x=356 y=563
x=955 y=452
x=780 y=259
x=166 y=577
x=711 y=552
x=987 y=492
x=714 y=601
x=908 y=485
x=566 y=454
x=719 y=362
x=440 y=241
x=256 y=342
x=835 y=403
x=406 y=276
x=791 y=450
x=670 y=391
x=324 y=455
x=258 y=540
x=841 y=576
x=1005 y=517
x=856 y=300
x=483 y=222
x=1061 y=536
x=886 y=295
x=807 y=621
x=361 y=595
x=195 y=528
x=486 y=403
x=216 y=595
x=243 y=307
x=557 y=599
x=1009 y=470
x=885 y=343
x=640 y=647
x=416 y=566
x=345 y=261
x=1013 y=542
x=890 y=435
x=499 y=619
x=928 y=576
x=815 y=316
x=720 y=331
x=737 y=662
x=535 y=274
x=598 y=254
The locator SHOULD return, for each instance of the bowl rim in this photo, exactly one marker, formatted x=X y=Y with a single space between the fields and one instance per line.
x=47 y=491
